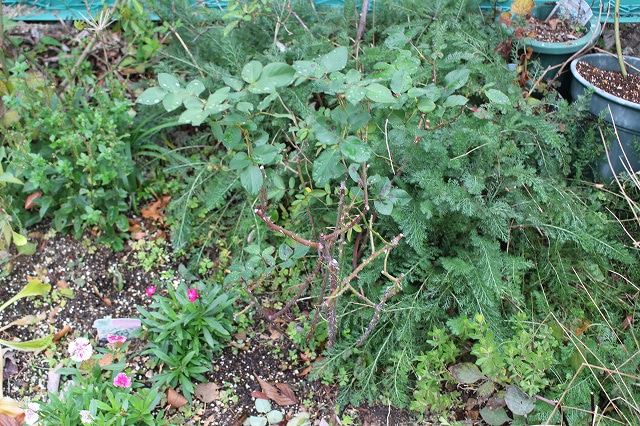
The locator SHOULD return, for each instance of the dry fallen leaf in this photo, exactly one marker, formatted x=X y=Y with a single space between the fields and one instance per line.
x=29 y=202
x=280 y=393
x=207 y=392
x=154 y=210
x=107 y=359
x=53 y=313
x=628 y=321
x=60 y=334
x=175 y=399
x=304 y=372
x=7 y=420
x=62 y=284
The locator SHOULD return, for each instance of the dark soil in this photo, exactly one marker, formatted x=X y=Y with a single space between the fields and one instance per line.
x=555 y=30
x=627 y=88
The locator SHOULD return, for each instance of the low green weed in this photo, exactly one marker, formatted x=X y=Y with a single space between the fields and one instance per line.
x=525 y=358
x=73 y=155
x=184 y=331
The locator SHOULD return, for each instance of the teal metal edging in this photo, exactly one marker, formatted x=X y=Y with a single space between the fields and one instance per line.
x=68 y=10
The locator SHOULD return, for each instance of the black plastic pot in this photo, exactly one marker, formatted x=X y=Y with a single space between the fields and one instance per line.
x=625 y=114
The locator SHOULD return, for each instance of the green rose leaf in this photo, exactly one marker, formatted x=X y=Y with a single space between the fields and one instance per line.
x=335 y=60
x=195 y=117
x=279 y=74
x=379 y=93
x=251 y=72
x=355 y=149
x=327 y=166
x=264 y=154
x=355 y=94
x=455 y=100
x=218 y=96
x=497 y=97
x=232 y=137
x=456 y=79
x=251 y=179
x=426 y=105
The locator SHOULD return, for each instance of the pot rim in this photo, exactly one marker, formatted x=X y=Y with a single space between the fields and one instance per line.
x=572 y=46
x=600 y=92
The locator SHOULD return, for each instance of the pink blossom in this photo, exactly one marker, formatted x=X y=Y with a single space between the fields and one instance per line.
x=192 y=294
x=86 y=417
x=80 y=349
x=113 y=339
x=151 y=290
x=31 y=413
x=122 y=381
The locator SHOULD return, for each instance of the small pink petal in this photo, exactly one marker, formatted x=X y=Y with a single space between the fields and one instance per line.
x=151 y=290
x=192 y=294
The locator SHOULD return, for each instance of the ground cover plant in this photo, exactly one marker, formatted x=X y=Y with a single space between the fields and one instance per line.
x=426 y=230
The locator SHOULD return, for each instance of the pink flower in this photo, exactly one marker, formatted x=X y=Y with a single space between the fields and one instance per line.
x=31 y=413
x=113 y=339
x=192 y=294
x=122 y=381
x=86 y=417
x=151 y=290
x=80 y=349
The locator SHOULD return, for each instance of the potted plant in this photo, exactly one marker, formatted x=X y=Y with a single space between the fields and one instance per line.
x=607 y=76
x=553 y=34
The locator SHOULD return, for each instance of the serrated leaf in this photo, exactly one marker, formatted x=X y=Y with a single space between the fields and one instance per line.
x=519 y=402
x=327 y=166
x=251 y=179
x=264 y=154
x=497 y=97
x=284 y=251
x=400 y=82
x=232 y=137
x=466 y=373
x=494 y=417
x=355 y=149
x=335 y=60
x=355 y=94
x=168 y=82
x=251 y=72
x=455 y=100
x=195 y=87
x=172 y=101
x=152 y=96
x=457 y=78
x=278 y=74
x=426 y=105
x=379 y=93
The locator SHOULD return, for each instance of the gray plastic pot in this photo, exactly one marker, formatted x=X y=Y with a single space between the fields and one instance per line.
x=626 y=115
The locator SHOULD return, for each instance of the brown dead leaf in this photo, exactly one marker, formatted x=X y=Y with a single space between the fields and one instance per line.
x=7 y=420
x=241 y=336
x=175 y=399
x=29 y=202
x=628 y=321
x=304 y=372
x=280 y=393
x=107 y=359
x=553 y=23
x=62 y=284
x=259 y=395
x=207 y=392
x=106 y=301
x=155 y=210
x=275 y=334
x=60 y=334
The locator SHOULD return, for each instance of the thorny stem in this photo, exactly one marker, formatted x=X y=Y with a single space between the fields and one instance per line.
x=328 y=266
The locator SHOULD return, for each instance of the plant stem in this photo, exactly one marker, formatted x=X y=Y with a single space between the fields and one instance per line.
x=3 y=59
x=616 y=31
